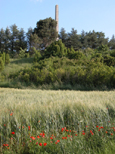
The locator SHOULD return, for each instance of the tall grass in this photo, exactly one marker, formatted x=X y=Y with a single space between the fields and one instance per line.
x=49 y=112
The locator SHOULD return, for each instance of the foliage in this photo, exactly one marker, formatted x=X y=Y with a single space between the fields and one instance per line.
x=7 y=59
x=22 y=52
x=1 y=64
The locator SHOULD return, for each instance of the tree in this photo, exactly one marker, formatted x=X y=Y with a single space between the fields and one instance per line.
x=112 y=42
x=2 y=35
x=46 y=31
x=29 y=38
x=13 y=39
x=73 y=40
x=63 y=36
x=21 y=43
x=7 y=40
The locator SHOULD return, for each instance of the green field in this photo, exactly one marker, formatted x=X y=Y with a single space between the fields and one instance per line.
x=66 y=121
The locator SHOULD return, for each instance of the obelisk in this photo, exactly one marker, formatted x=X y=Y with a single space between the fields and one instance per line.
x=57 y=17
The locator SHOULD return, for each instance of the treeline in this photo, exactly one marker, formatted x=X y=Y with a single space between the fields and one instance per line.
x=65 y=66
x=85 y=39
x=12 y=39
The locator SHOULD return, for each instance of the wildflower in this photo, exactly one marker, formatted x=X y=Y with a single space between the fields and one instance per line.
x=42 y=134
x=58 y=141
x=28 y=127
x=13 y=133
x=51 y=138
x=92 y=133
x=97 y=126
x=36 y=143
x=63 y=138
x=45 y=144
x=11 y=114
x=4 y=125
x=55 y=142
x=40 y=144
x=33 y=138
x=38 y=137
x=111 y=133
x=66 y=130
x=83 y=133
x=75 y=134
x=68 y=135
x=86 y=126
x=106 y=132
x=69 y=130
x=66 y=138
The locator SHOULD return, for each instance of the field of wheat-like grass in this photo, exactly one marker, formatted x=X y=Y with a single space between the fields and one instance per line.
x=45 y=121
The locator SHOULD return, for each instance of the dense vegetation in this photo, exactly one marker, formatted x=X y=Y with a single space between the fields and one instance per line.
x=59 y=65
x=86 y=60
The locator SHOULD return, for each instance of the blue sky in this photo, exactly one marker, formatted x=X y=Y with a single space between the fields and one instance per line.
x=87 y=15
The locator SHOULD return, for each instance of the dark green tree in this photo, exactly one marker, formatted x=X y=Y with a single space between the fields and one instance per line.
x=112 y=42
x=2 y=36
x=29 y=38
x=7 y=40
x=13 y=39
x=21 y=42
x=46 y=31
x=63 y=36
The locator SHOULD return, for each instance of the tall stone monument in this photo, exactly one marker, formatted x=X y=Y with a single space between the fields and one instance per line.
x=57 y=18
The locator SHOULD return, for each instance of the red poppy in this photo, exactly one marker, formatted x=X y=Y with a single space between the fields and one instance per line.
x=28 y=127
x=97 y=126
x=51 y=138
x=58 y=141
x=83 y=133
x=11 y=114
x=75 y=134
x=66 y=138
x=106 y=132
x=38 y=137
x=33 y=138
x=45 y=144
x=111 y=133
x=40 y=144
x=13 y=133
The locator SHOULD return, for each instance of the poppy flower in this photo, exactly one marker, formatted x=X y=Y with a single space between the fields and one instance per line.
x=63 y=138
x=11 y=114
x=83 y=133
x=97 y=126
x=40 y=144
x=38 y=137
x=13 y=133
x=58 y=141
x=111 y=133
x=45 y=144
x=51 y=138
x=36 y=143
x=28 y=127
x=75 y=134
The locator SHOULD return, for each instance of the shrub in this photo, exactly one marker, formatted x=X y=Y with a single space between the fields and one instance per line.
x=1 y=64
x=7 y=59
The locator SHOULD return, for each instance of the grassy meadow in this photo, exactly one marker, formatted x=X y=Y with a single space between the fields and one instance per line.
x=56 y=122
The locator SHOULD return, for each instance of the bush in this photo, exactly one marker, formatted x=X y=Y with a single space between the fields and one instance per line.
x=7 y=59
x=22 y=53
x=1 y=64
